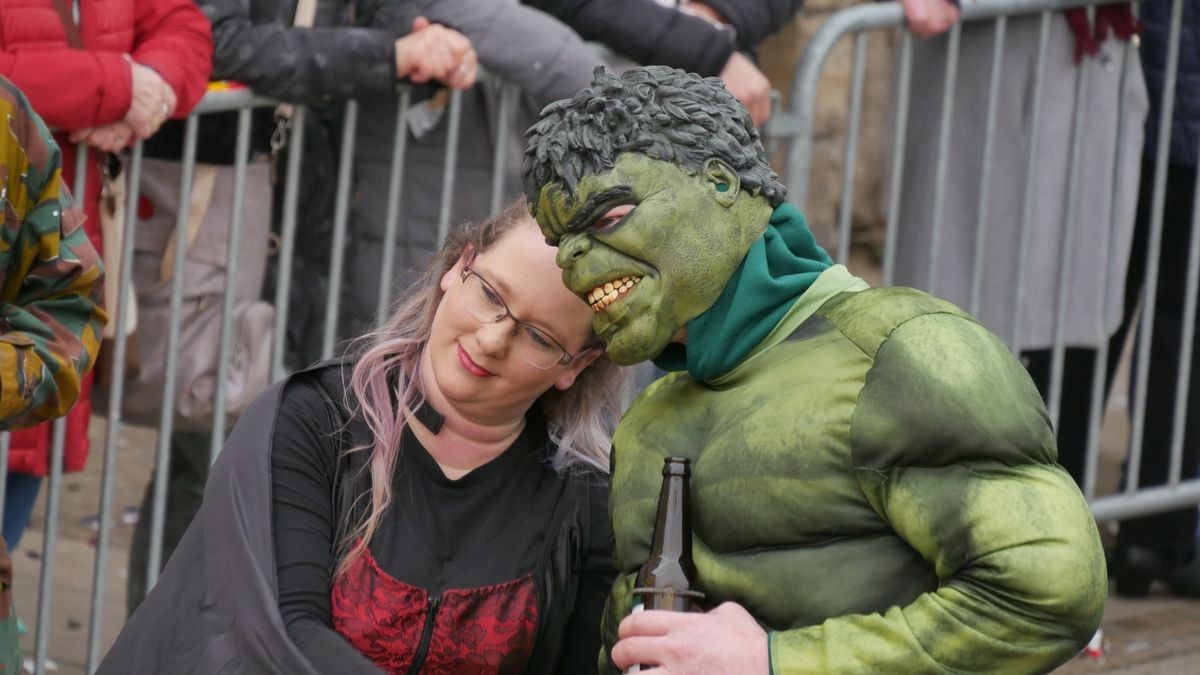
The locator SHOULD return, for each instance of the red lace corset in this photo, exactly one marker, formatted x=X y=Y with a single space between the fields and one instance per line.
x=489 y=629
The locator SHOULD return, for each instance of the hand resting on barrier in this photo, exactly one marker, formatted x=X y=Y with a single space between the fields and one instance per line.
x=152 y=102
x=113 y=137
x=433 y=52
x=927 y=18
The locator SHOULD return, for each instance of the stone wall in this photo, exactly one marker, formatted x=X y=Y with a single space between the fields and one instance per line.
x=778 y=57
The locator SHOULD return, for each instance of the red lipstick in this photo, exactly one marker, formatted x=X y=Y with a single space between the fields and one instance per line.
x=470 y=366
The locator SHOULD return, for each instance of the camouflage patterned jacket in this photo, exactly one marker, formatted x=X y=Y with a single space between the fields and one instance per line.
x=50 y=314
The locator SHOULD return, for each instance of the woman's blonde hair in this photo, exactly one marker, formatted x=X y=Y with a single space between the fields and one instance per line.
x=386 y=380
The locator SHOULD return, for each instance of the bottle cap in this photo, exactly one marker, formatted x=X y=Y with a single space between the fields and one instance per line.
x=677 y=466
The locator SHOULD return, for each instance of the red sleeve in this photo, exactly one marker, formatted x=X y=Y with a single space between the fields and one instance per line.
x=174 y=38
x=70 y=88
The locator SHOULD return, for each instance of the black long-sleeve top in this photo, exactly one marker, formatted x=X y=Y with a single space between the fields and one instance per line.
x=490 y=529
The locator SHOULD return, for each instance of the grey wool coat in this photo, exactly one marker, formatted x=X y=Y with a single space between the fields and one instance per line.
x=1113 y=100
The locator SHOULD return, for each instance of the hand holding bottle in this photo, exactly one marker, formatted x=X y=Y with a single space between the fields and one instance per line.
x=725 y=640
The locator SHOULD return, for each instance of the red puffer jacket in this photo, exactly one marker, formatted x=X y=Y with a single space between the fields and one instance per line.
x=75 y=89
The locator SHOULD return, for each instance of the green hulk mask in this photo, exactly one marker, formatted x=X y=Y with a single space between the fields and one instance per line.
x=668 y=240
x=652 y=197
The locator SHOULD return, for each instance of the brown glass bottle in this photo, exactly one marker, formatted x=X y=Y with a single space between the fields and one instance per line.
x=667 y=580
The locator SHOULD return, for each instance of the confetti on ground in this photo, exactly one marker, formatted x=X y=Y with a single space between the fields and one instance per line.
x=1095 y=647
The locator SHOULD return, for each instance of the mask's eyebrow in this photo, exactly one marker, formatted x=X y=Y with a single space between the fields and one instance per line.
x=586 y=214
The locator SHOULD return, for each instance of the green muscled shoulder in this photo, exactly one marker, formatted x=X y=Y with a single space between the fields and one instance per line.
x=942 y=388
x=953 y=450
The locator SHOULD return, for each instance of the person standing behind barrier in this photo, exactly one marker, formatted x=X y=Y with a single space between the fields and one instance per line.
x=258 y=45
x=50 y=298
x=719 y=44
x=1104 y=201
x=1163 y=546
x=106 y=76
x=546 y=60
x=436 y=503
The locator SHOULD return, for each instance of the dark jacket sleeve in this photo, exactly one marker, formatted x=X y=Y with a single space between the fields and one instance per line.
x=646 y=32
x=755 y=20
x=303 y=530
x=546 y=59
x=581 y=643
x=279 y=60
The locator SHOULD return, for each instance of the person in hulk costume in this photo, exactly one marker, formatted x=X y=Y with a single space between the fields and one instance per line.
x=873 y=474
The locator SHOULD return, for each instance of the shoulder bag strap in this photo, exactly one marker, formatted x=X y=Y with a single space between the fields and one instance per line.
x=68 y=23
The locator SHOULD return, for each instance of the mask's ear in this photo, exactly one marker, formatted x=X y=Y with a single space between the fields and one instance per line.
x=451 y=274
x=723 y=181
x=576 y=367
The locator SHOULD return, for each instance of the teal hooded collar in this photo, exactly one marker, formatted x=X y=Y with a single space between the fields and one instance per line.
x=779 y=267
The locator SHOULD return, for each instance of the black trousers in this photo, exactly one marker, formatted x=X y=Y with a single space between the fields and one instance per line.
x=1173 y=531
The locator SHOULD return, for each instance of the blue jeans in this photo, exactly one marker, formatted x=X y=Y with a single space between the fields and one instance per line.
x=20 y=493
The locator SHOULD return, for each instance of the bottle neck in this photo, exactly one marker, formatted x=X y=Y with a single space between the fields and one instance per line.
x=672 y=527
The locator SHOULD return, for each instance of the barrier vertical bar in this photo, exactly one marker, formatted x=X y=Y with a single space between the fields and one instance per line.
x=896 y=166
x=167 y=418
x=950 y=84
x=1067 y=253
x=112 y=427
x=848 y=162
x=54 y=485
x=341 y=211
x=1100 y=369
x=450 y=168
x=287 y=235
x=41 y=639
x=1154 y=243
x=1027 y=197
x=985 y=175
x=392 y=214
x=229 y=297
x=1184 y=374
x=508 y=96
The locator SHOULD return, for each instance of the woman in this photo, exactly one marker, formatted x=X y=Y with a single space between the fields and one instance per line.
x=107 y=75
x=436 y=506
x=256 y=45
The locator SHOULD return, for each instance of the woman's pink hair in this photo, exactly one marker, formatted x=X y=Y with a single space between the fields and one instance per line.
x=386 y=380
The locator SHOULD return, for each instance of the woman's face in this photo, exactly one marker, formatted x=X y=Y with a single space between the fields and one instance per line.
x=480 y=367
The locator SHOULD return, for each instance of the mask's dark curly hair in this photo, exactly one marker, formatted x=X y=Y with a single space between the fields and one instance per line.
x=661 y=112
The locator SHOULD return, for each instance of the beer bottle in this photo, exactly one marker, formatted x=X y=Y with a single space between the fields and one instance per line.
x=667 y=580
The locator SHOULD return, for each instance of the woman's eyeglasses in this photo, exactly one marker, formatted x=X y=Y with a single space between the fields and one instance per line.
x=534 y=345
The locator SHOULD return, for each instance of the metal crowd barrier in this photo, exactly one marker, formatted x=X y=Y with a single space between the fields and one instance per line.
x=792 y=127
x=797 y=125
